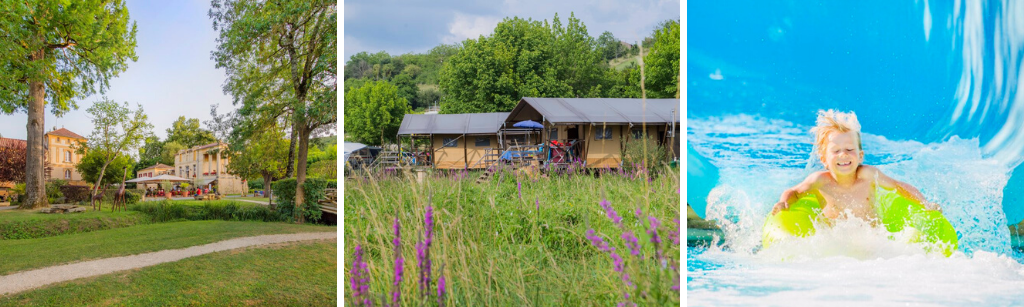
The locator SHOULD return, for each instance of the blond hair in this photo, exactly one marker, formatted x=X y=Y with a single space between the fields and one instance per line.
x=830 y=122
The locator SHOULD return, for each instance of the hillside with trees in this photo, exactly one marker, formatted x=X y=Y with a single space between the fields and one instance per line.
x=520 y=58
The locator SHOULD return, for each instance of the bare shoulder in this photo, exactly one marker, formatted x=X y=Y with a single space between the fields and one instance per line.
x=819 y=177
x=868 y=171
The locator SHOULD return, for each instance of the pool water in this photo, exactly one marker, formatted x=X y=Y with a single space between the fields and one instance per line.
x=935 y=86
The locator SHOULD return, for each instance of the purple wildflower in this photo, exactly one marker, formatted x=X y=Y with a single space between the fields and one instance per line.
x=423 y=251
x=638 y=212
x=598 y=242
x=397 y=294
x=519 y=187
x=360 y=278
x=632 y=243
x=538 y=204
x=653 y=231
x=611 y=212
x=428 y=220
x=441 y=288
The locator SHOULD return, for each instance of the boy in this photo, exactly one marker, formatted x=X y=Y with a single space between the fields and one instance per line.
x=846 y=188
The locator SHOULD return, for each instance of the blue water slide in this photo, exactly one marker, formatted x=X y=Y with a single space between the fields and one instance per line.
x=1013 y=197
x=701 y=177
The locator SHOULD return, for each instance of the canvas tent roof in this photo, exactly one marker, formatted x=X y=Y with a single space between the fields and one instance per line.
x=600 y=110
x=469 y=123
x=351 y=147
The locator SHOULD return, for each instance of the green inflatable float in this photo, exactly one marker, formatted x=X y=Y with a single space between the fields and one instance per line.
x=897 y=213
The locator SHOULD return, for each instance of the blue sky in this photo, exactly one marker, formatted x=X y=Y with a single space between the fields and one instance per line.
x=173 y=77
x=400 y=27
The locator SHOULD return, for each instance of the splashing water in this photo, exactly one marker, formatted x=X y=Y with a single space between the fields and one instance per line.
x=760 y=157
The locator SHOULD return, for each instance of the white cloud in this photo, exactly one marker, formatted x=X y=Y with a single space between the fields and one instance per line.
x=468 y=26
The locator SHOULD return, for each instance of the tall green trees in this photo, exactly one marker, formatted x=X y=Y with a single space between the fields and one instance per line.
x=188 y=133
x=662 y=63
x=280 y=57
x=261 y=155
x=522 y=58
x=373 y=112
x=56 y=52
x=118 y=130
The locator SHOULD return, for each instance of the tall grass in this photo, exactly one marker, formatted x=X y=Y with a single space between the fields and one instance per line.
x=515 y=240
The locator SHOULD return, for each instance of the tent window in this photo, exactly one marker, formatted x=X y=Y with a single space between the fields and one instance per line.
x=483 y=141
x=450 y=142
x=637 y=133
x=553 y=134
x=604 y=133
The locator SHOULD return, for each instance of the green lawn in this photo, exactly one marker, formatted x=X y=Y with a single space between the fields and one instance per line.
x=260 y=199
x=19 y=255
x=16 y=215
x=299 y=274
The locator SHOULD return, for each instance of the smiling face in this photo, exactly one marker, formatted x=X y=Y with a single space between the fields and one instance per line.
x=843 y=154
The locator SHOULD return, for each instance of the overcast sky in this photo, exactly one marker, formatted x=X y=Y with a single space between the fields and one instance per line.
x=400 y=27
x=173 y=77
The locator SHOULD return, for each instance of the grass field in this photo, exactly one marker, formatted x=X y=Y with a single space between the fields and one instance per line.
x=517 y=240
x=20 y=255
x=623 y=62
x=299 y=274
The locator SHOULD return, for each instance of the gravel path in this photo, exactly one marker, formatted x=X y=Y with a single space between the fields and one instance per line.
x=27 y=280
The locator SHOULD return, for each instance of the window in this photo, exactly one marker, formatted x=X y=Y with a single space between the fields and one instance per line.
x=67 y=156
x=67 y=174
x=638 y=133
x=603 y=133
x=553 y=133
x=450 y=142
x=483 y=141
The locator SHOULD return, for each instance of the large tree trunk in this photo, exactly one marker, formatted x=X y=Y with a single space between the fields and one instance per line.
x=300 y=174
x=290 y=170
x=35 y=187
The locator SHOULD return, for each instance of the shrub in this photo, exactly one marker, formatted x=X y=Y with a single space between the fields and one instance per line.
x=256 y=184
x=164 y=211
x=75 y=193
x=284 y=191
x=634 y=155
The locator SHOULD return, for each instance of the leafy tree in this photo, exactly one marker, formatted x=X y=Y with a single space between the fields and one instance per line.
x=54 y=52
x=608 y=45
x=662 y=63
x=92 y=165
x=261 y=156
x=374 y=112
x=406 y=89
x=170 y=151
x=149 y=154
x=188 y=133
x=118 y=131
x=12 y=162
x=281 y=54
x=522 y=58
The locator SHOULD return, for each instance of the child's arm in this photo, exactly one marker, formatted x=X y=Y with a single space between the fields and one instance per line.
x=790 y=195
x=903 y=188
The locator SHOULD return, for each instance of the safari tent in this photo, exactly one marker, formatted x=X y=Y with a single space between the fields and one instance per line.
x=595 y=130
x=457 y=141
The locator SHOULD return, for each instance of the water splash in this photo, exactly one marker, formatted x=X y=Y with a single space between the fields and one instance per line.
x=760 y=157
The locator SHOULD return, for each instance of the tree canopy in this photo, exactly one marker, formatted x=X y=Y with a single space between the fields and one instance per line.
x=523 y=58
x=118 y=131
x=56 y=52
x=281 y=61
x=374 y=112
x=188 y=133
x=662 y=63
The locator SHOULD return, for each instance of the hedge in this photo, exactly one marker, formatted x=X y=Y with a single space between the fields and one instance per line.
x=284 y=193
